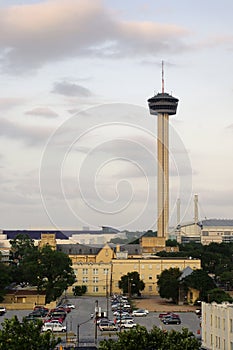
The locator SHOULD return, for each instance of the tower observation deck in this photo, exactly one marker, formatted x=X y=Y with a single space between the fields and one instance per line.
x=163 y=105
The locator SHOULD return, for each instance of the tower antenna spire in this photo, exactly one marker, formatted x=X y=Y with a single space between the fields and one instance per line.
x=162 y=76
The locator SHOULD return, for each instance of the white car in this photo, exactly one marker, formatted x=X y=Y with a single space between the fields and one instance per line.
x=140 y=312
x=69 y=305
x=128 y=324
x=53 y=327
x=2 y=310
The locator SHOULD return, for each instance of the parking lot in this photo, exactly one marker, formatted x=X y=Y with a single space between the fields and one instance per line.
x=79 y=320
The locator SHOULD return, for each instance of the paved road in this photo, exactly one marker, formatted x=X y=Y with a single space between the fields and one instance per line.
x=79 y=320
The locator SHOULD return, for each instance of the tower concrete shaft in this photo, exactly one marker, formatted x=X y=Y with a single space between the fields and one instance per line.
x=163 y=105
x=162 y=175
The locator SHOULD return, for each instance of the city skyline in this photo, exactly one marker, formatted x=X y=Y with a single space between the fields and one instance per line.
x=68 y=67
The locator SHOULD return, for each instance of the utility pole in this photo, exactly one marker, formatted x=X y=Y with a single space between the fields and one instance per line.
x=96 y=317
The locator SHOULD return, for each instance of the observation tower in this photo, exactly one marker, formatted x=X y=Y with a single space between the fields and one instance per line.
x=163 y=105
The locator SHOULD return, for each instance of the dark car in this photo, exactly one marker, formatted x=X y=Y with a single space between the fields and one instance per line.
x=171 y=320
x=166 y=314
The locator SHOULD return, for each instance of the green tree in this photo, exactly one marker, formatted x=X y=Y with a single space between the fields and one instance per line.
x=168 y=283
x=20 y=246
x=25 y=335
x=171 y=243
x=131 y=283
x=218 y=295
x=226 y=279
x=141 y=339
x=55 y=272
x=79 y=290
x=200 y=280
x=51 y=271
x=5 y=279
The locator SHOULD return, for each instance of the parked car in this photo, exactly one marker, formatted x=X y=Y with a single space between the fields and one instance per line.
x=198 y=312
x=171 y=320
x=54 y=320
x=69 y=305
x=140 y=312
x=63 y=308
x=102 y=319
x=54 y=327
x=122 y=313
x=40 y=307
x=30 y=318
x=164 y=314
x=128 y=324
x=107 y=326
x=57 y=314
x=2 y=310
x=35 y=314
x=124 y=318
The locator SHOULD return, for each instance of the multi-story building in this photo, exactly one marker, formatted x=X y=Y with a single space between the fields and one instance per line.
x=217 y=326
x=100 y=269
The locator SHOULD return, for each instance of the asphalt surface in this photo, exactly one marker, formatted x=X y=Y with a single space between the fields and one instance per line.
x=79 y=321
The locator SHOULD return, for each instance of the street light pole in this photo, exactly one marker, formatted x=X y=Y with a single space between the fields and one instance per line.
x=107 y=291
x=78 y=326
x=129 y=287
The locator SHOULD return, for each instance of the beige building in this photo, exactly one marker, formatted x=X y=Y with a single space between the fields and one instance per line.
x=100 y=269
x=217 y=326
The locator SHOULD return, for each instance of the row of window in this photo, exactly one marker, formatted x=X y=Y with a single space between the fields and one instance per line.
x=95 y=271
x=217 y=233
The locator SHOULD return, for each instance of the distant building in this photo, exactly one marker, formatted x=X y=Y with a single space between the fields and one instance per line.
x=206 y=231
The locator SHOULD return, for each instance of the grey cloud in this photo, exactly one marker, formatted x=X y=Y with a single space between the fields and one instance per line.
x=70 y=89
x=42 y=111
x=37 y=34
x=29 y=134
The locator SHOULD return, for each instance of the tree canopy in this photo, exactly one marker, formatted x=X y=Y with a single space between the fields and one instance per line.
x=200 y=280
x=131 y=283
x=168 y=284
x=51 y=271
x=5 y=279
x=16 y=335
x=142 y=339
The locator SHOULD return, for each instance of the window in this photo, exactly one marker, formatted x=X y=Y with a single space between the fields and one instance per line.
x=95 y=279
x=150 y=288
x=205 y=233
x=95 y=289
x=150 y=266
x=231 y=326
x=150 y=277
x=95 y=271
x=105 y=271
x=85 y=271
x=143 y=266
x=85 y=279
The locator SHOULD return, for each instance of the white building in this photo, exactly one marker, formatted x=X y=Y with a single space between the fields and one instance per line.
x=217 y=326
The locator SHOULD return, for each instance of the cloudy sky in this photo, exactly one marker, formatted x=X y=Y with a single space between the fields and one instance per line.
x=78 y=145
